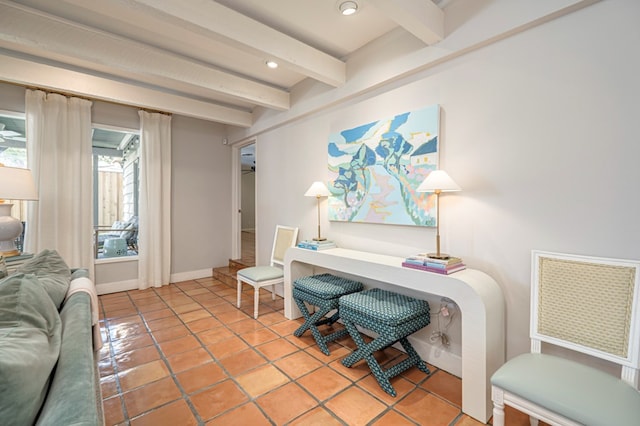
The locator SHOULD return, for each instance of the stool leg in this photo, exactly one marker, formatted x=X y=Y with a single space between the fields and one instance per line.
x=311 y=323
x=412 y=360
x=365 y=351
x=239 y=292
x=364 y=348
x=380 y=375
x=357 y=338
x=307 y=317
x=413 y=355
x=330 y=320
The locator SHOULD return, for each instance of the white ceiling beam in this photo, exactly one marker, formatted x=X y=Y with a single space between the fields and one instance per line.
x=254 y=37
x=36 y=33
x=491 y=25
x=422 y=18
x=29 y=73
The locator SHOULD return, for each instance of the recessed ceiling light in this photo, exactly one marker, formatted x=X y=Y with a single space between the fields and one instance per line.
x=348 y=7
x=272 y=64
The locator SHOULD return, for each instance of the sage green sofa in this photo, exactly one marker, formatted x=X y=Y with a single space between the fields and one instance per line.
x=48 y=370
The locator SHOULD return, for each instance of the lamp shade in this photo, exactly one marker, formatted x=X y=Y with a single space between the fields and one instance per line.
x=17 y=184
x=438 y=180
x=317 y=189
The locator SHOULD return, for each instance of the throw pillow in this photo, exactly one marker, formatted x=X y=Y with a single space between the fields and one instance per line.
x=130 y=228
x=30 y=338
x=52 y=272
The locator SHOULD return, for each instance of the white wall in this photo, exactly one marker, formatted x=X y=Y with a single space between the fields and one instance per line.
x=201 y=196
x=541 y=132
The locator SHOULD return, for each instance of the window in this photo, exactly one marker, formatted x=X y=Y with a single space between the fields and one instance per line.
x=13 y=153
x=115 y=180
x=13 y=144
x=115 y=160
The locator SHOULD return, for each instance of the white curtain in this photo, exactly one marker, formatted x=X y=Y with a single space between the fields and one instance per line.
x=59 y=155
x=154 y=236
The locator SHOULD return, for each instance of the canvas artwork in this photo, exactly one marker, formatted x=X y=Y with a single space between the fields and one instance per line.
x=375 y=168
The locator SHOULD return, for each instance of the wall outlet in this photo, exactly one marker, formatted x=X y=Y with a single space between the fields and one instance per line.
x=447 y=307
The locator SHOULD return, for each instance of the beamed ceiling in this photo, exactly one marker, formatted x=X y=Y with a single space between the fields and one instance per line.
x=206 y=58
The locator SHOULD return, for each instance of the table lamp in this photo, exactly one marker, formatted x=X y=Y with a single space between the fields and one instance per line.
x=318 y=189
x=438 y=181
x=15 y=184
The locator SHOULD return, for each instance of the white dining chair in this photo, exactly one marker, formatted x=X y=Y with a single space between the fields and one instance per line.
x=262 y=276
x=578 y=304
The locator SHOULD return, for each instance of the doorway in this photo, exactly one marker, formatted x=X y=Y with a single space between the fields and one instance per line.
x=248 y=205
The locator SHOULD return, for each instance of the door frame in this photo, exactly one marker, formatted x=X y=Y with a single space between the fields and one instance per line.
x=236 y=199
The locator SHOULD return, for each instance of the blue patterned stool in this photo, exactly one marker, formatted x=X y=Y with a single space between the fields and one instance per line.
x=323 y=291
x=394 y=317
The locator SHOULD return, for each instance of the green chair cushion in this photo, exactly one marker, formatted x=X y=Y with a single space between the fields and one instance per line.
x=261 y=273
x=574 y=390
x=30 y=339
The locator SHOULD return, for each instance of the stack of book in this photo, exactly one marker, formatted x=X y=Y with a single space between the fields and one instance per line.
x=439 y=266
x=317 y=245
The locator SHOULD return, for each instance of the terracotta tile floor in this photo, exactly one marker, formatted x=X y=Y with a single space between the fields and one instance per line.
x=184 y=354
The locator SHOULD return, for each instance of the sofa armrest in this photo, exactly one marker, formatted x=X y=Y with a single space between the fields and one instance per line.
x=74 y=396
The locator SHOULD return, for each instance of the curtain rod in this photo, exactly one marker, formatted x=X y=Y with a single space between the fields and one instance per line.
x=68 y=94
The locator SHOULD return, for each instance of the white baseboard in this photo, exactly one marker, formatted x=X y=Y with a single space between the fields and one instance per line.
x=115 y=287
x=434 y=355
x=190 y=275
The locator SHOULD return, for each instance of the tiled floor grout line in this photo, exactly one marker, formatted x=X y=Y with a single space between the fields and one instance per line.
x=217 y=361
x=114 y=365
x=253 y=347
x=272 y=363
x=162 y=357
x=322 y=403
x=233 y=377
x=164 y=295
x=172 y=374
x=230 y=376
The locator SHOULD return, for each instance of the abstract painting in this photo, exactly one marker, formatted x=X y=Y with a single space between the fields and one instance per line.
x=375 y=168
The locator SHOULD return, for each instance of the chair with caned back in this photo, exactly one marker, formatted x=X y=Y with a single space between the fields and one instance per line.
x=262 y=276
x=584 y=304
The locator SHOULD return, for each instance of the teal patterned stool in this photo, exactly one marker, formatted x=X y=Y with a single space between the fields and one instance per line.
x=323 y=291
x=394 y=317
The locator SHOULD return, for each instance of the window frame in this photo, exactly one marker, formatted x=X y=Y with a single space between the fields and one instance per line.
x=97 y=151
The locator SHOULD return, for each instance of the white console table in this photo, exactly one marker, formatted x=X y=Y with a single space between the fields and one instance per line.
x=478 y=296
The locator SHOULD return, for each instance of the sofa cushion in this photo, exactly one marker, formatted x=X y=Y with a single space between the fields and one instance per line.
x=30 y=338
x=52 y=272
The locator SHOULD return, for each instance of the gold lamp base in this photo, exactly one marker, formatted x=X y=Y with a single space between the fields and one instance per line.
x=320 y=239
x=442 y=256
x=10 y=253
